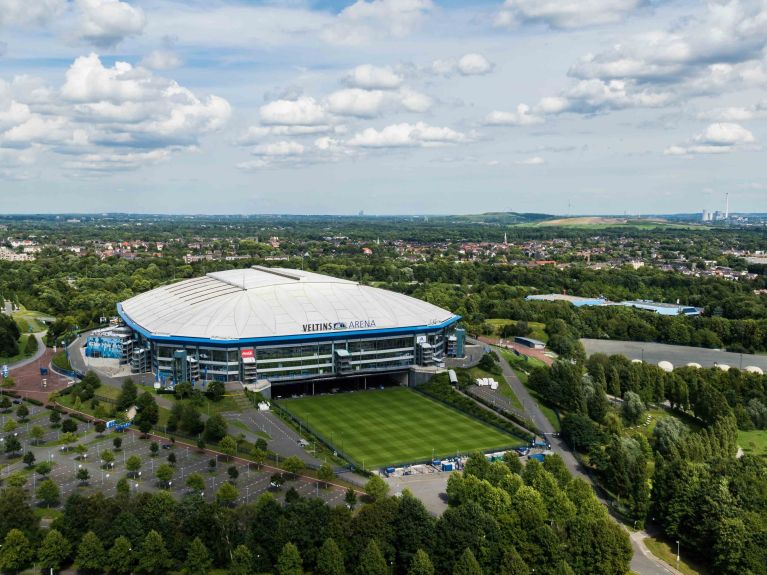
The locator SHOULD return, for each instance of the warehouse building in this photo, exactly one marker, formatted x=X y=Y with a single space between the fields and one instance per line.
x=281 y=325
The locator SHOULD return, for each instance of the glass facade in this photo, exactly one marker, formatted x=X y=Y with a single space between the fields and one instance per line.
x=174 y=362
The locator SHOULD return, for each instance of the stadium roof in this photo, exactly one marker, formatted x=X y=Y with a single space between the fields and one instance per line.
x=266 y=303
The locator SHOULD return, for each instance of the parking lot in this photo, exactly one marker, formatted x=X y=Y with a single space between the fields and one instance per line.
x=66 y=462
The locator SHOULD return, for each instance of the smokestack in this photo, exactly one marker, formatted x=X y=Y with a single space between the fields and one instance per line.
x=726 y=205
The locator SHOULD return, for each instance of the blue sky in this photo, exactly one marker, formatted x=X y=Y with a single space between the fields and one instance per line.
x=386 y=106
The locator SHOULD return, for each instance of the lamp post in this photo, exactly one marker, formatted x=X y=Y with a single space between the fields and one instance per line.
x=677 y=554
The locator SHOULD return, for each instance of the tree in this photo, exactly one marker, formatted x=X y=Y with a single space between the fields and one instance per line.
x=44 y=468
x=128 y=395
x=120 y=557
x=12 y=444
x=90 y=554
x=171 y=458
x=29 y=459
x=122 y=487
x=227 y=494
x=289 y=561
x=81 y=449
x=233 y=473
x=133 y=465
x=54 y=550
x=632 y=409
x=83 y=475
x=330 y=560
x=107 y=457
x=5 y=403
x=154 y=448
x=153 y=556
x=54 y=418
x=372 y=561
x=48 y=493
x=293 y=466
x=16 y=552
x=350 y=498
x=242 y=561
x=228 y=445
x=100 y=427
x=215 y=428
x=36 y=434
x=69 y=425
x=421 y=564
x=376 y=488
x=215 y=391
x=147 y=412
x=198 y=560
x=117 y=442
x=195 y=482
x=22 y=412
x=467 y=564
x=325 y=474
x=164 y=474
x=513 y=564
x=10 y=426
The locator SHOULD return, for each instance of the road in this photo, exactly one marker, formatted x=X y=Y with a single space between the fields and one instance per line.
x=38 y=354
x=642 y=561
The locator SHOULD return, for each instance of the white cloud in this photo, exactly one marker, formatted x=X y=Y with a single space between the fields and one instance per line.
x=718 y=138
x=356 y=102
x=369 y=77
x=161 y=60
x=414 y=101
x=471 y=64
x=26 y=12
x=106 y=23
x=522 y=117
x=565 y=13
x=305 y=111
x=283 y=148
x=474 y=65
x=367 y=20
x=533 y=161
x=736 y=113
x=406 y=135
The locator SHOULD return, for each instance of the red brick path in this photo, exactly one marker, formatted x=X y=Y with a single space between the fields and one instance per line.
x=29 y=381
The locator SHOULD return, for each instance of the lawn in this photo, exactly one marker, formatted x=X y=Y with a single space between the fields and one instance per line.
x=394 y=426
x=667 y=553
x=520 y=363
x=19 y=356
x=537 y=329
x=753 y=442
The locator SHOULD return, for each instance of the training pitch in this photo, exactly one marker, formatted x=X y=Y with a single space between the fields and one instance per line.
x=394 y=426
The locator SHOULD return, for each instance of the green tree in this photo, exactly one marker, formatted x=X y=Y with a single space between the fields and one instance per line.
x=120 y=557
x=233 y=473
x=376 y=488
x=372 y=561
x=242 y=561
x=90 y=554
x=48 y=493
x=195 y=482
x=293 y=466
x=54 y=418
x=289 y=561
x=122 y=487
x=227 y=494
x=467 y=564
x=12 y=444
x=54 y=550
x=164 y=474
x=154 y=448
x=350 y=498
x=147 y=412
x=29 y=459
x=198 y=560
x=133 y=464
x=83 y=475
x=228 y=445
x=632 y=409
x=69 y=425
x=513 y=564
x=117 y=442
x=16 y=553
x=215 y=428
x=15 y=510
x=215 y=391
x=326 y=474
x=153 y=556
x=128 y=395
x=10 y=426
x=36 y=434
x=330 y=559
x=22 y=412
x=107 y=456
x=421 y=564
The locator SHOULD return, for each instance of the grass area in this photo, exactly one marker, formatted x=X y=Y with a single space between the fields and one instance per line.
x=664 y=552
x=48 y=513
x=61 y=360
x=19 y=356
x=753 y=442
x=31 y=320
x=537 y=329
x=394 y=426
x=523 y=364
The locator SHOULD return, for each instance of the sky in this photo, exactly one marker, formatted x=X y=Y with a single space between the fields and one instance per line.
x=382 y=106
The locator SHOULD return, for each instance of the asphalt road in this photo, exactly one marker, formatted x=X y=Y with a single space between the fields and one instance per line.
x=678 y=355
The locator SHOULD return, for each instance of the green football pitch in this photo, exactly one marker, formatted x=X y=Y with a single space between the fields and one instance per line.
x=394 y=426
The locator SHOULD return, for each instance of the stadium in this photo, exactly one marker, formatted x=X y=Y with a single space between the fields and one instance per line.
x=274 y=326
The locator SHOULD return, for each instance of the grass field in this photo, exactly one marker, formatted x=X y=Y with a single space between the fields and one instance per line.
x=753 y=442
x=537 y=329
x=380 y=428
x=521 y=367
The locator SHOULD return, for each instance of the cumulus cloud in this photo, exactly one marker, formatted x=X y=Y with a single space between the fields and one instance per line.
x=161 y=60
x=366 y=20
x=532 y=161
x=736 y=113
x=102 y=116
x=29 y=12
x=369 y=77
x=373 y=103
x=283 y=148
x=471 y=64
x=522 y=117
x=105 y=23
x=406 y=135
x=718 y=138
x=304 y=111
x=565 y=13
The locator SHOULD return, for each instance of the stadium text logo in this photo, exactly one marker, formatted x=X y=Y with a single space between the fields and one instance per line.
x=339 y=325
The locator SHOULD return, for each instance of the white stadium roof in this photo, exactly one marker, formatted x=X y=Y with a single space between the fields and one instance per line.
x=262 y=302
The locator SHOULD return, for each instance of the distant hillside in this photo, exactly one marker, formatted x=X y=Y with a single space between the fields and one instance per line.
x=503 y=218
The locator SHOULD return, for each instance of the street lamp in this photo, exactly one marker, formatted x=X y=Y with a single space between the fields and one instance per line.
x=677 y=554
